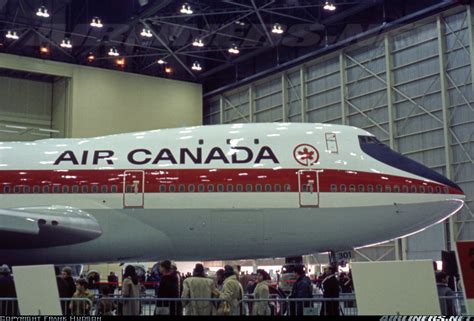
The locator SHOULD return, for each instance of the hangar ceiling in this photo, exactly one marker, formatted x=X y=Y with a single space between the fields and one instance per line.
x=146 y=32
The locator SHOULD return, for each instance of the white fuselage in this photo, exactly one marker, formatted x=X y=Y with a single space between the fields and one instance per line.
x=219 y=192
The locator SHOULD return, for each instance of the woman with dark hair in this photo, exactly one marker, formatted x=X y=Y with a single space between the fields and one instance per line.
x=169 y=289
x=261 y=292
x=130 y=289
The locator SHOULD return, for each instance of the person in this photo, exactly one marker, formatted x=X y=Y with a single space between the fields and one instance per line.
x=81 y=307
x=330 y=288
x=446 y=305
x=302 y=289
x=107 y=305
x=198 y=286
x=219 y=279
x=112 y=279
x=169 y=287
x=261 y=292
x=231 y=294
x=7 y=290
x=66 y=288
x=130 y=289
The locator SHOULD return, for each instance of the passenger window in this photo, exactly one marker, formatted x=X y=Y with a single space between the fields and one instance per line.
x=379 y=189
x=85 y=189
x=287 y=188
x=95 y=189
x=113 y=189
x=210 y=188
x=104 y=188
x=36 y=189
x=181 y=188
x=388 y=188
x=422 y=189
x=201 y=188
x=248 y=187
x=230 y=188
x=333 y=188
x=258 y=188
x=220 y=188
x=396 y=189
x=240 y=188
x=413 y=189
x=46 y=189
x=26 y=189
x=129 y=188
x=277 y=188
x=162 y=188
x=191 y=188
x=446 y=190
x=6 y=189
x=268 y=188
x=343 y=188
x=304 y=188
x=405 y=189
x=55 y=189
x=172 y=188
x=370 y=188
x=361 y=188
x=65 y=189
x=75 y=188
x=16 y=189
x=438 y=189
x=430 y=189
x=352 y=188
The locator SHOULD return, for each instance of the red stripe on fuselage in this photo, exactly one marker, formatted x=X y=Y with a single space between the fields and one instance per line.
x=225 y=180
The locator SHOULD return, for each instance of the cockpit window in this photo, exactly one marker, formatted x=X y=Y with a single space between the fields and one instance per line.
x=369 y=140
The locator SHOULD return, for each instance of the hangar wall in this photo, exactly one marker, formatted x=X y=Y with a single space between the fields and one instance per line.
x=412 y=87
x=99 y=102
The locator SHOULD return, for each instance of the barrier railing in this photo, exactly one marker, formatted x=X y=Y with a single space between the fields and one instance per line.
x=275 y=306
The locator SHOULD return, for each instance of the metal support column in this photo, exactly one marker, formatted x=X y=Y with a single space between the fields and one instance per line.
x=251 y=103
x=303 y=93
x=284 y=97
x=343 y=88
x=446 y=118
x=221 y=109
x=470 y=21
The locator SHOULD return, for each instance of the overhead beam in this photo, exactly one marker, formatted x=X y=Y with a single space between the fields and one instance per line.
x=262 y=23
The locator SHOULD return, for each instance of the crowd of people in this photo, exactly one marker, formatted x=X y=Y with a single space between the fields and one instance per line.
x=198 y=294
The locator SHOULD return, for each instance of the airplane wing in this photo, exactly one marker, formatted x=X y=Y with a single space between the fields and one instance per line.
x=38 y=227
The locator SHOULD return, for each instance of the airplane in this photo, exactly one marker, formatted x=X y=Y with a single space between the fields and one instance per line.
x=219 y=192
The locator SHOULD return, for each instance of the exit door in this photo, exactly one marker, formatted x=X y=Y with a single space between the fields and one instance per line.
x=308 y=188
x=133 y=189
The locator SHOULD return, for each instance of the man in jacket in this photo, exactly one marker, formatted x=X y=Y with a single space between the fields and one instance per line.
x=198 y=286
x=302 y=289
x=66 y=288
x=232 y=293
x=446 y=305
x=7 y=290
x=169 y=288
x=330 y=288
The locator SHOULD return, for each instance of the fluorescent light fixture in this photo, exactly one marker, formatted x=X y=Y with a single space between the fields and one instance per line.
x=196 y=66
x=277 y=29
x=66 y=43
x=113 y=52
x=96 y=22
x=329 y=6
x=12 y=35
x=234 y=50
x=198 y=43
x=16 y=127
x=146 y=33
x=161 y=62
x=48 y=130
x=42 y=12
x=186 y=9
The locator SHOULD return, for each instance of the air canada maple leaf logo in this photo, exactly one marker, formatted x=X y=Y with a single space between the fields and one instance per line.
x=306 y=155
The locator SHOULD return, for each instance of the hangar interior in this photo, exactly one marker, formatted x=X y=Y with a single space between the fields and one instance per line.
x=406 y=77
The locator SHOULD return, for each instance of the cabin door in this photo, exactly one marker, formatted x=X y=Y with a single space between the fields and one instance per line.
x=133 y=189
x=308 y=188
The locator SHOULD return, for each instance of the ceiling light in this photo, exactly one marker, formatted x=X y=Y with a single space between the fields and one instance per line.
x=196 y=66
x=91 y=57
x=161 y=62
x=12 y=35
x=240 y=23
x=42 y=12
x=114 y=52
x=234 y=50
x=44 y=49
x=329 y=5
x=168 y=70
x=120 y=62
x=277 y=29
x=66 y=43
x=96 y=22
x=146 y=33
x=186 y=9
x=198 y=43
